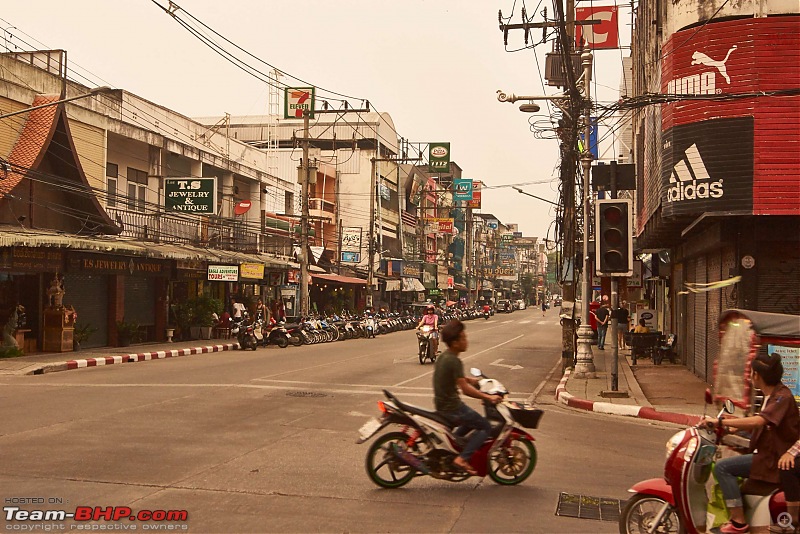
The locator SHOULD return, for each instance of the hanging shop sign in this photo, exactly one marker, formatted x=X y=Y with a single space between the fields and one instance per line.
x=297 y=100
x=101 y=264
x=438 y=157
x=413 y=270
x=242 y=207
x=351 y=238
x=449 y=282
x=293 y=277
x=191 y=195
x=462 y=189
x=275 y=278
x=385 y=192
x=603 y=34
x=437 y=225
x=351 y=257
x=251 y=271
x=475 y=203
x=223 y=273
x=29 y=259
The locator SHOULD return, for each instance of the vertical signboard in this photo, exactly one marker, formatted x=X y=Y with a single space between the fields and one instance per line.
x=351 y=238
x=475 y=203
x=438 y=157
x=462 y=189
x=297 y=100
x=604 y=34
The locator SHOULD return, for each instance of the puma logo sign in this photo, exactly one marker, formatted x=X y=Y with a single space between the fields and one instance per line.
x=699 y=58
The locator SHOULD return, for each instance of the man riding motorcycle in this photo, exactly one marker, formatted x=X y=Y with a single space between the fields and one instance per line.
x=448 y=375
x=431 y=319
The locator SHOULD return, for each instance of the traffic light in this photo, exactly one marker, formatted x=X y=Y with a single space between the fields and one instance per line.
x=613 y=237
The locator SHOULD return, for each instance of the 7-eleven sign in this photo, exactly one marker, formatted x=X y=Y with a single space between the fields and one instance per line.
x=297 y=100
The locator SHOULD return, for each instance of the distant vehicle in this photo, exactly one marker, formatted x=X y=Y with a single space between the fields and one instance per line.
x=521 y=304
x=557 y=300
x=504 y=305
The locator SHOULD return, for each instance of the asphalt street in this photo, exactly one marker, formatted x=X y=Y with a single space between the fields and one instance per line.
x=265 y=441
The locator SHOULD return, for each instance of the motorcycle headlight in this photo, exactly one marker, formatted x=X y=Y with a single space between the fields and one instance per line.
x=674 y=441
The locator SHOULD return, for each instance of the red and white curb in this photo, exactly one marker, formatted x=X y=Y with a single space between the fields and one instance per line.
x=567 y=398
x=141 y=357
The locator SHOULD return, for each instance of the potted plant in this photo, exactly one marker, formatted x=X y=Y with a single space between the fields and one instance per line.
x=182 y=314
x=127 y=332
x=205 y=307
x=81 y=334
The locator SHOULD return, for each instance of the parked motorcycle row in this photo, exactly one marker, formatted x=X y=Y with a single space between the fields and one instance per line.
x=252 y=334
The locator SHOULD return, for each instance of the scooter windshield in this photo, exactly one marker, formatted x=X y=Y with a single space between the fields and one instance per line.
x=736 y=350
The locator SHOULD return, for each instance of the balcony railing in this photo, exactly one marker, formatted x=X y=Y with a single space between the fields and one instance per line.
x=319 y=204
x=211 y=232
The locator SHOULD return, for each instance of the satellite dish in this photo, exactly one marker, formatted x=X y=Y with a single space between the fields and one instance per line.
x=242 y=207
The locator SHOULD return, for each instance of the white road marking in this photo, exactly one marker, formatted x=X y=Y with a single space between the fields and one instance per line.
x=462 y=359
x=525 y=322
x=541 y=322
x=509 y=321
x=512 y=367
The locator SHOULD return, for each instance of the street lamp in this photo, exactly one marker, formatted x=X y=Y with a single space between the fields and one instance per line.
x=584 y=365
x=92 y=92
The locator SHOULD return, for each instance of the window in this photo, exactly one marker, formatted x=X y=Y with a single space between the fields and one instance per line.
x=112 y=174
x=137 y=187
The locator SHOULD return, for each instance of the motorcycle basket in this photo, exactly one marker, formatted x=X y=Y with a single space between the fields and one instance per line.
x=526 y=415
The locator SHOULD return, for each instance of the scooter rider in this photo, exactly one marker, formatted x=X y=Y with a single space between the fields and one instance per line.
x=449 y=374
x=431 y=319
x=775 y=429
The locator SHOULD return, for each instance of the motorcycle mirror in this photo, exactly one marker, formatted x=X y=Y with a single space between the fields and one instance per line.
x=475 y=372
x=729 y=407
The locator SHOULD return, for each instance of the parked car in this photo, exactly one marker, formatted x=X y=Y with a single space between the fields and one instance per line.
x=521 y=304
x=504 y=305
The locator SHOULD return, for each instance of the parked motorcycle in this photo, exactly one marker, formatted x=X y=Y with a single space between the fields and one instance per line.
x=245 y=333
x=425 y=346
x=424 y=443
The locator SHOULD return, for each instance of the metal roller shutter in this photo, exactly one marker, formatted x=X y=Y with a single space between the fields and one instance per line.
x=778 y=290
x=714 y=304
x=700 y=320
x=691 y=277
x=140 y=297
x=88 y=294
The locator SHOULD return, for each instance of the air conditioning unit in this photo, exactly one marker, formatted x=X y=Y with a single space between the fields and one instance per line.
x=554 y=71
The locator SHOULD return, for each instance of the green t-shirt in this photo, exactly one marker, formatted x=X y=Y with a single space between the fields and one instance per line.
x=449 y=368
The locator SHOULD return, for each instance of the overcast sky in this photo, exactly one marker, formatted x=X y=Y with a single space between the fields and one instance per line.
x=434 y=66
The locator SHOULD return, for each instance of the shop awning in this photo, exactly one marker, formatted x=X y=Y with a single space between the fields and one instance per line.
x=339 y=279
x=412 y=284
x=393 y=285
x=16 y=237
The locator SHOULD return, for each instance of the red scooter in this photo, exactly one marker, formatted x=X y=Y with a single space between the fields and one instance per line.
x=678 y=502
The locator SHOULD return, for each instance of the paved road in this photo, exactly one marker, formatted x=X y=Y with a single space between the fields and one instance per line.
x=264 y=441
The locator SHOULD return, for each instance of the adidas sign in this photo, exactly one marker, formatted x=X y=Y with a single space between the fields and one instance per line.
x=690 y=180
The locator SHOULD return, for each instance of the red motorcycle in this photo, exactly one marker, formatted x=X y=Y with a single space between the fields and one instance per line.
x=424 y=444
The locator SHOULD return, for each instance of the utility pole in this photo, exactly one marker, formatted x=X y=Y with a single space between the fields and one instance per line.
x=305 y=178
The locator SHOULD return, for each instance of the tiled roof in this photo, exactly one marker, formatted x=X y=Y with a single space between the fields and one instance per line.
x=32 y=141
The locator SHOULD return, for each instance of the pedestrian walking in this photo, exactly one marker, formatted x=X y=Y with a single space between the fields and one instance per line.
x=544 y=307
x=623 y=317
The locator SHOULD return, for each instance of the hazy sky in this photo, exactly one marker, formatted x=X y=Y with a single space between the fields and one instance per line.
x=434 y=66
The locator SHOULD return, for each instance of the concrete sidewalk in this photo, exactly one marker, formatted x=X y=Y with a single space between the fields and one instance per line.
x=48 y=362
x=666 y=392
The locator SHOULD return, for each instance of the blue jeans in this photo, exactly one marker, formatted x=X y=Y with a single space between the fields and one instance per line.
x=726 y=471
x=601 y=336
x=468 y=419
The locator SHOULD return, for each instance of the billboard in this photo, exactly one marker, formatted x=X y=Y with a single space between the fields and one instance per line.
x=439 y=157
x=604 y=34
x=297 y=100
x=462 y=189
x=191 y=195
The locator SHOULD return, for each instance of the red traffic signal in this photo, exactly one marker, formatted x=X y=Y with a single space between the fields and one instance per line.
x=613 y=237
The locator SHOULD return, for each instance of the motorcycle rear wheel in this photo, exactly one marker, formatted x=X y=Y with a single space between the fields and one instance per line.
x=513 y=462
x=384 y=467
x=296 y=341
x=282 y=342
x=641 y=510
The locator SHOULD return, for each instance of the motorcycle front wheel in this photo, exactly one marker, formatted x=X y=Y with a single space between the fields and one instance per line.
x=513 y=462
x=282 y=342
x=384 y=467
x=296 y=341
x=641 y=511
x=423 y=349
